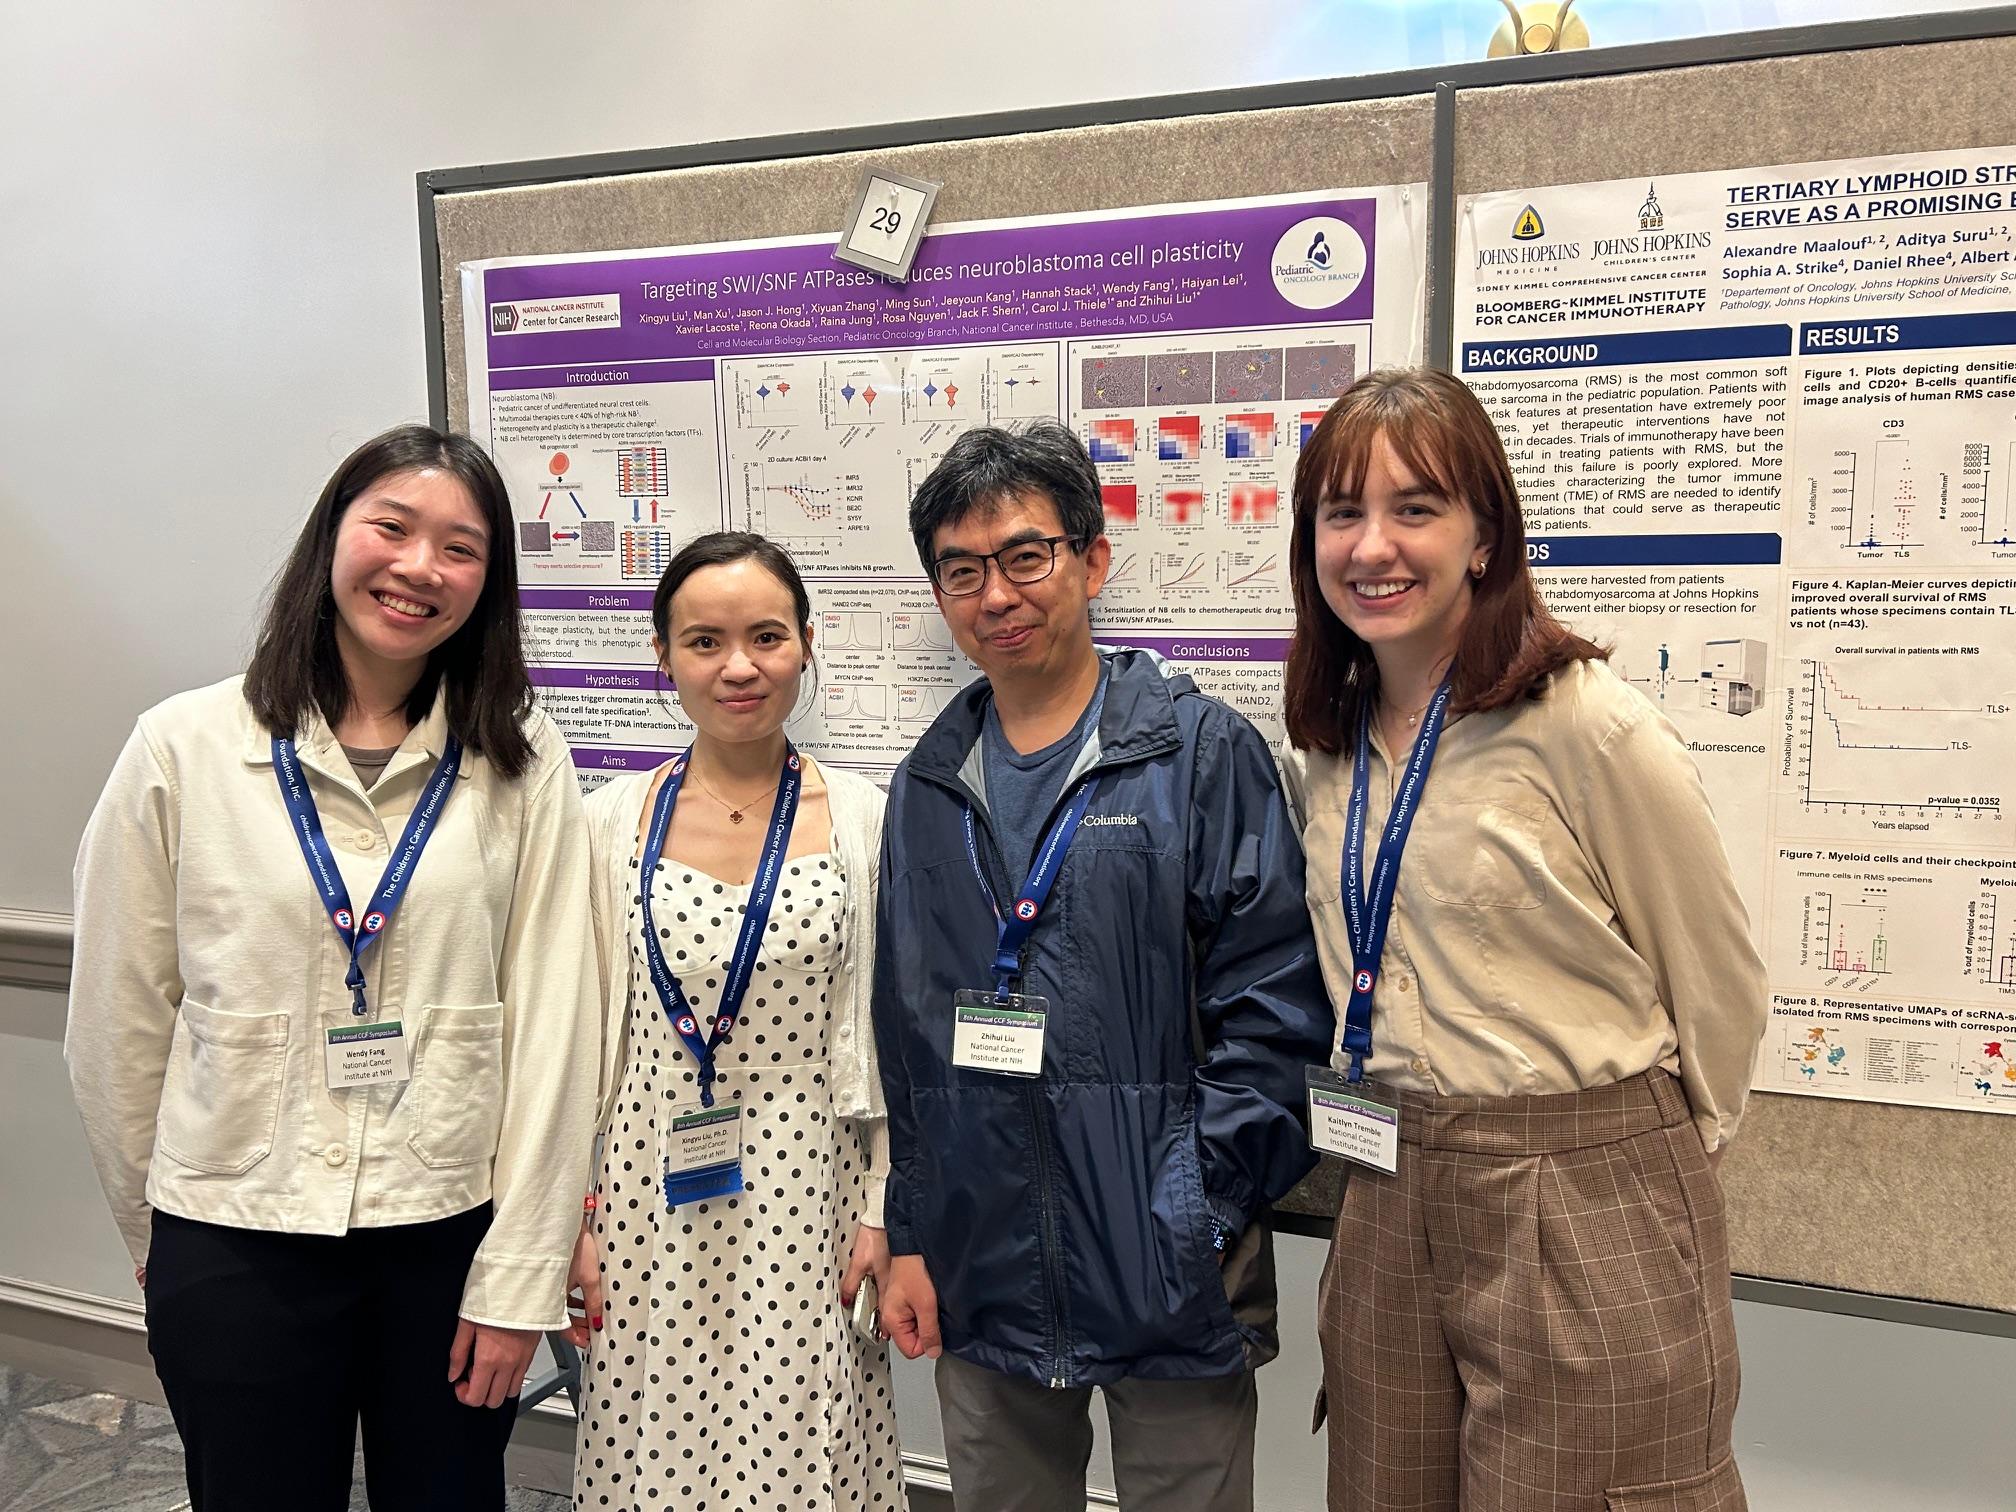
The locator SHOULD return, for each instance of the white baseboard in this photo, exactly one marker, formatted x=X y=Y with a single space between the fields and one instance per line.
x=107 y=1312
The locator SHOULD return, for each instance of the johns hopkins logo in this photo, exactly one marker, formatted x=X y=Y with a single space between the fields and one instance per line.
x=1362 y=982
x=1025 y=909
x=373 y=922
x=1528 y=226
x=342 y=918
x=1650 y=216
x=503 y=319
x=1318 y=263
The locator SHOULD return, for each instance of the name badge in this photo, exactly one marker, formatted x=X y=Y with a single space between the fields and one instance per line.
x=993 y=1032
x=1342 y=1122
x=366 y=1055
x=701 y=1151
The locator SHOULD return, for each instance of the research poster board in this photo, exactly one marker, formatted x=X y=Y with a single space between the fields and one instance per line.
x=1764 y=427
x=634 y=399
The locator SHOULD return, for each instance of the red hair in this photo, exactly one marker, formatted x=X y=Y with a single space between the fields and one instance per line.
x=1510 y=644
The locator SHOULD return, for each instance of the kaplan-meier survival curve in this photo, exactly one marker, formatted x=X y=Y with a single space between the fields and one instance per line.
x=1880 y=742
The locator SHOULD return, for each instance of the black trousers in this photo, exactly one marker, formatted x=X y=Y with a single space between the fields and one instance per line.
x=271 y=1349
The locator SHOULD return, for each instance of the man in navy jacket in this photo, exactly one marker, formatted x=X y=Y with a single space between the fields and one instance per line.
x=1095 y=1088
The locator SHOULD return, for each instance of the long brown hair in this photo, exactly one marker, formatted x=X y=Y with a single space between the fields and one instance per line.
x=295 y=666
x=1510 y=644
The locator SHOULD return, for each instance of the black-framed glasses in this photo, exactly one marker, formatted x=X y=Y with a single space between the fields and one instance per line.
x=1024 y=562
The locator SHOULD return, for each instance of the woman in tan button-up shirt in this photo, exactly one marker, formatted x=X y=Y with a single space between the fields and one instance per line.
x=1532 y=1311
x=378 y=1230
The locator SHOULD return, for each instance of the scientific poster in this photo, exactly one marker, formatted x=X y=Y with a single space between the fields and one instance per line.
x=635 y=399
x=1764 y=425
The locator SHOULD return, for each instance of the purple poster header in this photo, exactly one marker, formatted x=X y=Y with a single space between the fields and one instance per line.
x=616 y=679
x=1298 y=263
x=1204 y=646
x=588 y=377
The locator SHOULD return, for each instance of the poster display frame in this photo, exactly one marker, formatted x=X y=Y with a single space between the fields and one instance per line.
x=1444 y=84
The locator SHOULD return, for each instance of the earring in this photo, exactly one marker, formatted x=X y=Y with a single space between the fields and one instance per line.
x=1477 y=567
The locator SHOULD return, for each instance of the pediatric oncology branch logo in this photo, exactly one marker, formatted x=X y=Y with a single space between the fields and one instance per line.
x=1318 y=263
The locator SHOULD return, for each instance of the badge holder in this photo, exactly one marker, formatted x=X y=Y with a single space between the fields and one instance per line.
x=1000 y=1032
x=366 y=1055
x=1345 y=1122
x=702 y=1154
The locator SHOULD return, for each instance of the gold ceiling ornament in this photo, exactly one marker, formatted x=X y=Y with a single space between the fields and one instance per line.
x=1541 y=27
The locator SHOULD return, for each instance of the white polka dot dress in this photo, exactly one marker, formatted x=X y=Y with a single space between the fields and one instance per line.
x=726 y=1374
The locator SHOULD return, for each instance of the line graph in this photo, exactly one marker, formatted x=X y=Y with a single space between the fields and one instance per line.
x=793 y=503
x=1243 y=572
x=1861 y=750
x=1179 y=569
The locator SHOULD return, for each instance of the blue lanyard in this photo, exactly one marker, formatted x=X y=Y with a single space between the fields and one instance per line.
x=763 y=891
x=1020 y=921
x=1368 y=910
x=355 y=933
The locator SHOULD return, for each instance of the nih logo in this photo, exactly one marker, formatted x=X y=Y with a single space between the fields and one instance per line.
x=503 y=319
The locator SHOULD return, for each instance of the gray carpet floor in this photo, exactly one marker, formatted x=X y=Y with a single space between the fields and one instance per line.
x=63 y=1449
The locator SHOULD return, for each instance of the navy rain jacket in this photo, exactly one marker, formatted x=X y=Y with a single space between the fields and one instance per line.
x=1066 y=1220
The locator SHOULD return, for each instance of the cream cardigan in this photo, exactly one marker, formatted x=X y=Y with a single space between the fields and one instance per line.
x=856 y=804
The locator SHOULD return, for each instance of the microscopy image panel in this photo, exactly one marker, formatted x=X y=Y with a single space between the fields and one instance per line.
x=1179 y=378
x=1248 y=377
x=1111 y=382
x=1321 y=372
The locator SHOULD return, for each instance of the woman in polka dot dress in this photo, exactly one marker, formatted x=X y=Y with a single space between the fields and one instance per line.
x=722 y=1369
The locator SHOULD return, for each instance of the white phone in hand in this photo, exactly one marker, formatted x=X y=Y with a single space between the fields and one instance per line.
x=867 y=1315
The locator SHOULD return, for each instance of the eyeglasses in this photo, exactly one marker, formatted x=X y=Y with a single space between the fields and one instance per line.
x=1024 y=562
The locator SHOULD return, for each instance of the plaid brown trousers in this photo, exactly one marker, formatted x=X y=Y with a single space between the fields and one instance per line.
x=1533 y=1315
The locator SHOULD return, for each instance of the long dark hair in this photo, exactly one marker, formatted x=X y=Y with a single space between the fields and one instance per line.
x=296 y=666
x=1510 y=644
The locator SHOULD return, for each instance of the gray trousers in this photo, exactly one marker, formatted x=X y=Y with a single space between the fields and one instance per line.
x=1016 y=1446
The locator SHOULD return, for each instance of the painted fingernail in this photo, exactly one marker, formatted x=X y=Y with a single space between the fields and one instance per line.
x=598 y=1320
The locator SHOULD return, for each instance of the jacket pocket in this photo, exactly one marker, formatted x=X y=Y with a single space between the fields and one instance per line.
x=1207 y=1266
x=1716 y=1490
x=220 y=1099
x=458 y=1085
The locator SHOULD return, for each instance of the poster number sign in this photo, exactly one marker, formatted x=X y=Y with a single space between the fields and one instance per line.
x=887 y=222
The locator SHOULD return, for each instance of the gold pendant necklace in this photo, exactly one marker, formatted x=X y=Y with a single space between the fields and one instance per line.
x=734 y=812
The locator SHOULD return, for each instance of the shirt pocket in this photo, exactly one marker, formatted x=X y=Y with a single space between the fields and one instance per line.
x=458 y=1085
x=1477 y=855
x=220 y=1099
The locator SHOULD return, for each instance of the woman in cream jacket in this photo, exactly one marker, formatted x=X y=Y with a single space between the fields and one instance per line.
x=332 y=1017
x=737 y=1205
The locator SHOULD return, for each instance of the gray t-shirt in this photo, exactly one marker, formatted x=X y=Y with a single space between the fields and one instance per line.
x=1020 y=789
